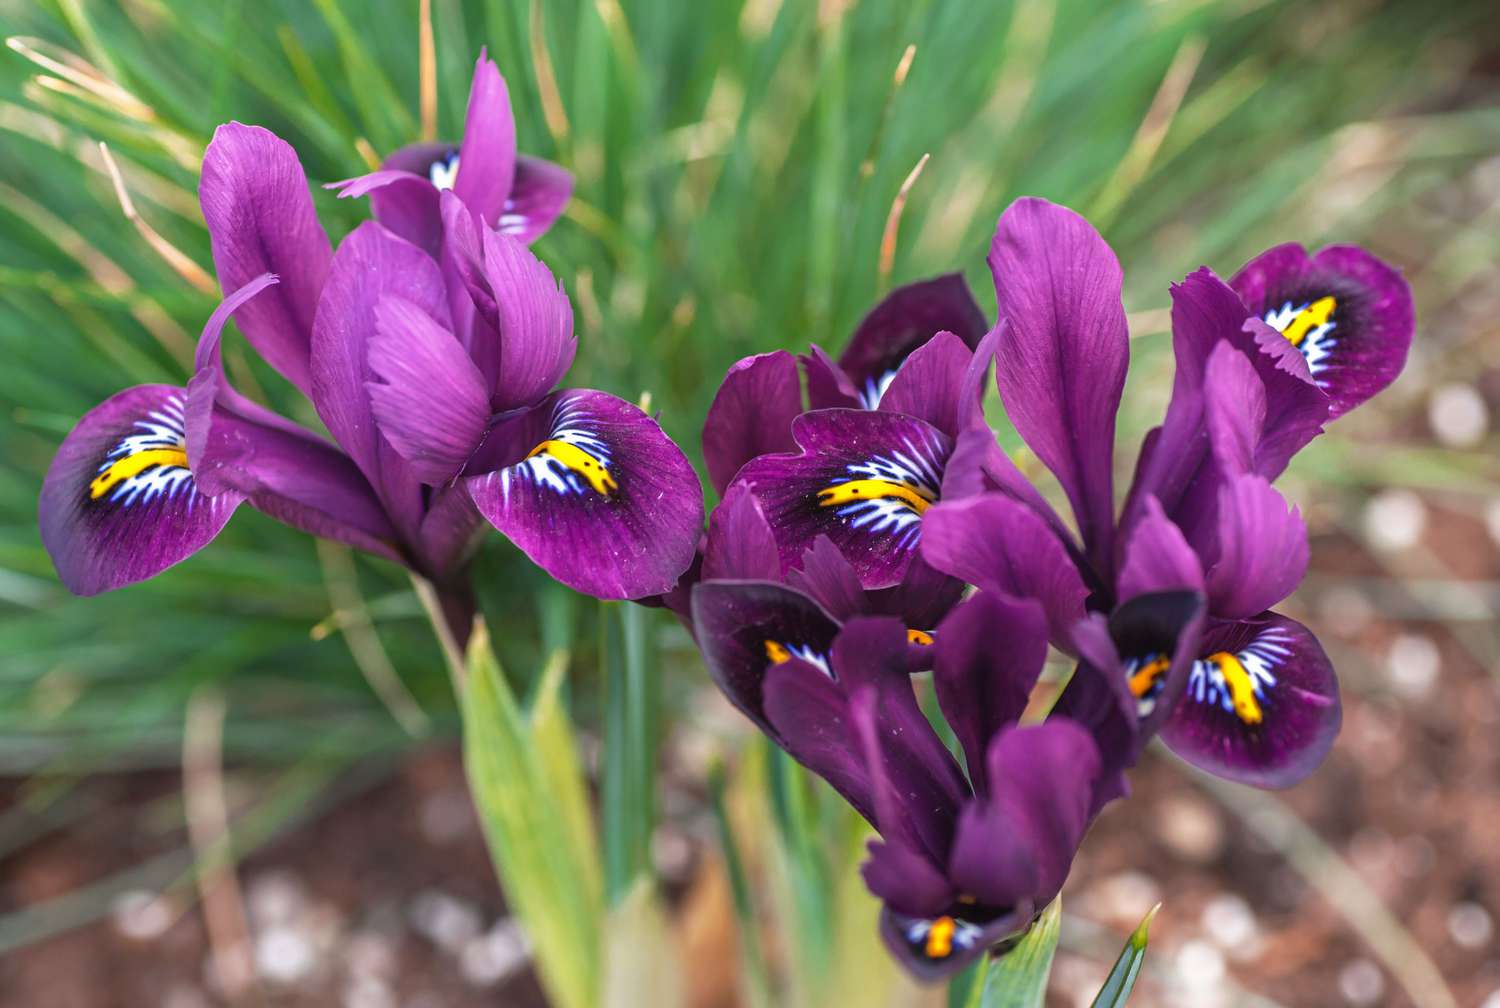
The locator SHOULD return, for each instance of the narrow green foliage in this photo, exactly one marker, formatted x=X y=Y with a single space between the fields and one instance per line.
x=629 y=772
x=528 y=786
x=1018 y=979
x=753 y=965
x=1121 y=979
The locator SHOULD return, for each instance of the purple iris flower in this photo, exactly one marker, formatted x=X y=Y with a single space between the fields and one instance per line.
x=432 y=427
x=860 y=460
x=1262 y=364
x=964 y=860
x=510 y=192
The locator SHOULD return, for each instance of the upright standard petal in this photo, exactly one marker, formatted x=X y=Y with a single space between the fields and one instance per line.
x=600 y=497
x=119 y=503
x=907 y=318
x=537 y=199
x=428 y=399
x=1157 y=557
x=260 y=219
x=1262 y=549
x=745 y=627
x=810 y=718
x=751 y=414
x=1002 y=546
x=740 y=545
x=523 y=338
x=1261 y=705
x=863 y=479
x=1062 y=370
x=486 y=164
x=930 y=384
x=1348 y=313
x=371 y=263
x=986 y=658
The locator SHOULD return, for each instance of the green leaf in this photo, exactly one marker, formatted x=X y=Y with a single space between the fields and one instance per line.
x=1121 y=979
x=1019 y=978
x=528 y=787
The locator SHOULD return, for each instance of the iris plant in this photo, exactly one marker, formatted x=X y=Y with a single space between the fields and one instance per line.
x=431 y=357
x=892 y=483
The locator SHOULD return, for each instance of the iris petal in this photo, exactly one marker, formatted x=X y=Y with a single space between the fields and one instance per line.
x=119 y=503
x=1261 y=705
x=1347 y=312
x=864 y=479
x=602 y=499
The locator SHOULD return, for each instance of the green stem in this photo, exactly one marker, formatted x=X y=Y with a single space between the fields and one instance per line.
x=627 y=781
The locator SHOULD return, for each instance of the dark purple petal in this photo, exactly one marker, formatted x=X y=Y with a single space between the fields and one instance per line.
x=523 y=338
x=403 y=200
x=907 y=318
x=1098 y=697
x=930 y=384
x=1261 y=705
x=979 y=465
x=924 y=788
x=905 y=880
x=1043 y=777
x=449 y=531
x=934 y=947
x=119 y=503
x=740 y=545
x=603 y=500
x=1348 y=313
x=1002 y=546
x=1262 y=549
x=994 y=862
x=289 y=473
x=863 y=478
x=1157 y=557
x=261 y=220
x=371 y=263
x=810 y=718
x=1235 y=411
x=986 y=658
x=826 y=576
x=429 y=401
x=751 y=414
x=924 y=596
x=744 y=627
x=487 y=156
x=1062 y=370
x=537 y=199
x=827 y=385
x=1157 y=636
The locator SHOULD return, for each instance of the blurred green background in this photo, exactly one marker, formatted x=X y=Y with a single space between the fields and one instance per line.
x=736 y=167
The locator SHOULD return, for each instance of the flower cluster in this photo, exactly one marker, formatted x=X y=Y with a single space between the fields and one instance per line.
x=852 y=525
x=430 y=345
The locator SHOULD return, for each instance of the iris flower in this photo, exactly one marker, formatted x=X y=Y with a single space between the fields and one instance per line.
x=431 y=427
x=510 y=192
x=866 y=455
x=964 y=860
x=1263 y=362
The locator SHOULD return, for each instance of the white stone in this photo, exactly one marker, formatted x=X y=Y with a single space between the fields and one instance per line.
x=1412 y=665
x=1394 y=520
x=495 y=955
x=1458 y=415
x=445 y=921
x=274 y=897
x=1361 y=983
x=1200 y=965
x=1230 y=922
x=1470 y=925
x=284 y=954
x=141 y=915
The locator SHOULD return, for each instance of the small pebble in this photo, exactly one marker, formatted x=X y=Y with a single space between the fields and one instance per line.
x=274 y=897
x=1190 y=827
x=141 y=915
x=1458 y=415
x=1230 y=922
x=443 y=920
x=1361 y=982
x=1394 y=520
x=1493 y=1001
x=368 y=992
x=284 y=954
x=494 y=955
x=1345 y=611
x=1200 y=965
x=1470 y=925
x=1412 y=665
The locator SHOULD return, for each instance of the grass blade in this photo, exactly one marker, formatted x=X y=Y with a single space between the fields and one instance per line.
x=1121 y=979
